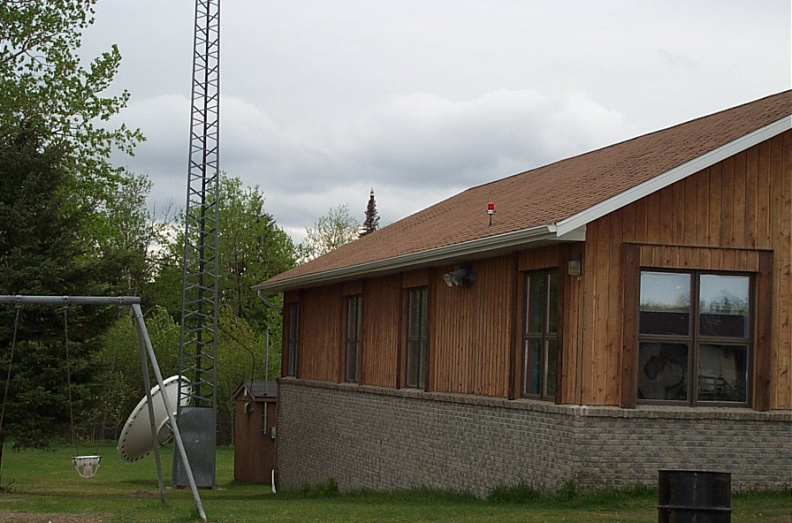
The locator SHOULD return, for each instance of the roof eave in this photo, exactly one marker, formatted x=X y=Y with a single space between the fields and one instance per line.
x=674 y=175
x=501 y=242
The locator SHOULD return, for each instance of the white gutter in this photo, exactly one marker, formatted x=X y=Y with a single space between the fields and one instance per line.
x=674 y=175
x=406 y=261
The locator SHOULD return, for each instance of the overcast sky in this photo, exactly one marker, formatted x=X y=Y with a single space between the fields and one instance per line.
x=322 y=100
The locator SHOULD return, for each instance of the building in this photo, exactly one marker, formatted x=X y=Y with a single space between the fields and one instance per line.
x=622 y=311
x=255 y=419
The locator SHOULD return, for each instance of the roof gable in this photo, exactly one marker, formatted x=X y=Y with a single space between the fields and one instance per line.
x=549 y=203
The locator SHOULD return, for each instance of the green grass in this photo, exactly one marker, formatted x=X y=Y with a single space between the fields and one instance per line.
x=43 y=486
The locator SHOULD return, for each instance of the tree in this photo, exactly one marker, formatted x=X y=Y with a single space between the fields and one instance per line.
x=329 y=233
x=125 y=229
x=55 y=175
x=252 y=248
x=42 y=79
x=42 y=252
x=118 y=370
x=371 y=223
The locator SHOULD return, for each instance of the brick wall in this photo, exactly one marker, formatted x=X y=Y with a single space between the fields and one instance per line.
x=376 y=438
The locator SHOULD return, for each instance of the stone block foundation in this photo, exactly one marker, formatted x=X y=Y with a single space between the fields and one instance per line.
x=385 y=439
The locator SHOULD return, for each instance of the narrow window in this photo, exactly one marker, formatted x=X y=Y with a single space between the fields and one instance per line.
x=291 y=342
x=416 y=337
x=351 y=373
x=540 y=339
x=694 y=341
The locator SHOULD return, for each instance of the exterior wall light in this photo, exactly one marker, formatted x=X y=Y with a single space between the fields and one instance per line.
x=575 y=265
x=461 y=276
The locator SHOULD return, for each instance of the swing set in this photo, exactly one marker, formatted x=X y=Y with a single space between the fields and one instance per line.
x=88 y=465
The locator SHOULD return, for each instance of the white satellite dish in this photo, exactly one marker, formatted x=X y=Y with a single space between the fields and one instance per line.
x=135 y=442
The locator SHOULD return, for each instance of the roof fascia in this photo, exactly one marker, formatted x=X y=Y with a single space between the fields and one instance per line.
x=407 y=261
x=674 y=175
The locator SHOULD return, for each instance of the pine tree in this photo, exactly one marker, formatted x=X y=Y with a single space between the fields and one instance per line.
x=372 y=219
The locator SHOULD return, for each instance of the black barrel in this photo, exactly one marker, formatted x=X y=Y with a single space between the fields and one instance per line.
x=694 y=496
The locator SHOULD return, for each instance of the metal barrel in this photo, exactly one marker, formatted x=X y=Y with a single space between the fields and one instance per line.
x=694 y=496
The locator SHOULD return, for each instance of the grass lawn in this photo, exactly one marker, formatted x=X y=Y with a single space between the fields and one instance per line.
x=43 y=486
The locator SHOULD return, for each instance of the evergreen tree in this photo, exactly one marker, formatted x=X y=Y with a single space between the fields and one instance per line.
x=371 y=223
x=42 y=253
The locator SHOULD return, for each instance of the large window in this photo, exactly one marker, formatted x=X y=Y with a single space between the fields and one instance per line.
x=540 y=339
x=694 y=342
x=292 y=340
x=353 y=315
x=417 y=336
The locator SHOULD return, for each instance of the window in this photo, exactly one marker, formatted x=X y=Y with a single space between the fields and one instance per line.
x=540 y=340
x=694 y=341
x=291 y=342
x=416 y=337
x=352 y=352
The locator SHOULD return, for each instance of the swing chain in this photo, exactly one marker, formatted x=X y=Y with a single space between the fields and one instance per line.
x=68 y=373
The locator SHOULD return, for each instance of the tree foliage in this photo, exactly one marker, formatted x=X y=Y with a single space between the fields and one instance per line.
x=330 y=232
x=73 y=224
x=42 y=81
x=118 y=369
x=125 y=229
x=42 y=252
x=252 y=248
x=55 y=175
x=371 y=223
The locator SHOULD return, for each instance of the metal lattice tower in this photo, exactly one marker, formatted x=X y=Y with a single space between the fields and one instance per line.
x=197 y=411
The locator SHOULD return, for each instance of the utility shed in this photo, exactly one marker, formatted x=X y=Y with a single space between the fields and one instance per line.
x=255 y=419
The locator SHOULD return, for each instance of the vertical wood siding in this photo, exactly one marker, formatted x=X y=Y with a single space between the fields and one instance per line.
x=716 y=219
x=321 y=330
x=379 y=350
x=471 y=330
x=781 y=370
x=571 y=328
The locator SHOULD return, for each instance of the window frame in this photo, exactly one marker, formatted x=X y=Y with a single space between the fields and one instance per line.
x=416 y=344
x=545 y=337
x=694 y=339
x=352 y=338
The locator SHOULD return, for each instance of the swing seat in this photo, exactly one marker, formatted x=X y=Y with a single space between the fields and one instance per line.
x=86 y=465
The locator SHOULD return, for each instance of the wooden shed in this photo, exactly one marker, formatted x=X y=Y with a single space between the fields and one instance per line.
x=622 y=311
x=255 y=422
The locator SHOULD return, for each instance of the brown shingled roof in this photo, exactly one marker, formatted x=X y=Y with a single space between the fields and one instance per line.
x=530 y=204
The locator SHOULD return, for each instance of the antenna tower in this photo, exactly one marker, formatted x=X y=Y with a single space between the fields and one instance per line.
x=197 y=419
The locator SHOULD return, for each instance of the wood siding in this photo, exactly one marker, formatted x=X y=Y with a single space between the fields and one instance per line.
x=319 y=355
x=254 y=449
x=721 y=218
x=470 y=334
x=381 y=336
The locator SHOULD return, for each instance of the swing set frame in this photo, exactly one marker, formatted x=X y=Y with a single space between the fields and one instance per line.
x=146 y=356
